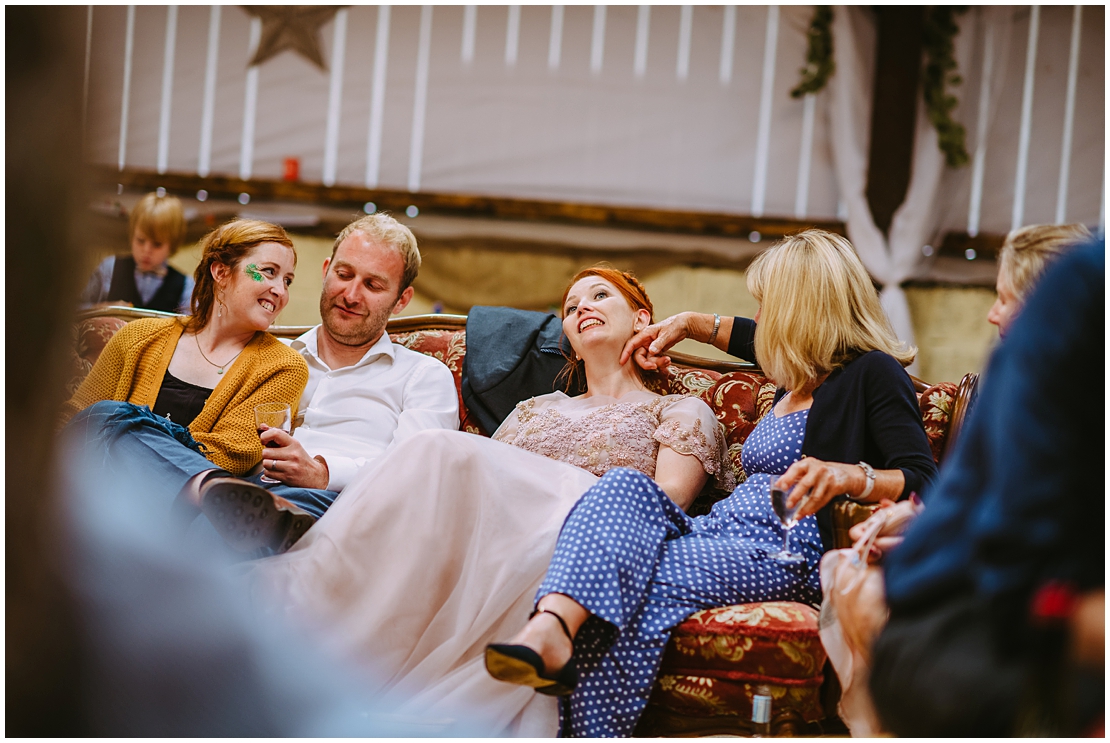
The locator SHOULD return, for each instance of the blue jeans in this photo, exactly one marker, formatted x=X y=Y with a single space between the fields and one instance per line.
x=136 y=442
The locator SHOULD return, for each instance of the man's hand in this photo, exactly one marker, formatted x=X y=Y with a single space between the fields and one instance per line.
x=649 y=346
x=289 y=463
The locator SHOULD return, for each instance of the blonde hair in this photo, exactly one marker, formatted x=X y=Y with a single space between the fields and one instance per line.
x=819 y=309
x=1028 y=250
x=383 y=228
x=160 y=218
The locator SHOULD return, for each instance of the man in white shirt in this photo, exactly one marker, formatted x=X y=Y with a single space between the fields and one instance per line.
x=363 y=394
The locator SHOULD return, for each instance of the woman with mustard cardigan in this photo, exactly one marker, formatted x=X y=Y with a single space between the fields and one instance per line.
x=171 y=400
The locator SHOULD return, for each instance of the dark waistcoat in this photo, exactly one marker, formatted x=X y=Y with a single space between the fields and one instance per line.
x=123 y=288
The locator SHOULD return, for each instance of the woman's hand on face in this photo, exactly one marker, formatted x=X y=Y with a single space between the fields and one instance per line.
x=649 y=346
x=817 y=482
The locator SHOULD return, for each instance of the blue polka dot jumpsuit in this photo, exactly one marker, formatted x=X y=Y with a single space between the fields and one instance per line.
x=641 y=566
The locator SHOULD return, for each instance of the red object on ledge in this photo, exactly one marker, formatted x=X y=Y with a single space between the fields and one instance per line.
x=292 y=171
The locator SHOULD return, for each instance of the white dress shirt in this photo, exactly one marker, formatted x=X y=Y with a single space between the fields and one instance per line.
x=350 y=416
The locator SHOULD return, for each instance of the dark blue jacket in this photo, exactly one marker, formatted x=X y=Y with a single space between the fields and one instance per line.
x=511 y=355
x=1021 y=499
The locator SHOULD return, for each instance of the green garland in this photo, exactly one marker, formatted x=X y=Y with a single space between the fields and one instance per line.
x=940 y=29
x=819 y=53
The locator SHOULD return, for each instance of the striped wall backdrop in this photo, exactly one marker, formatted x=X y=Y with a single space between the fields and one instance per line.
x=679 y=107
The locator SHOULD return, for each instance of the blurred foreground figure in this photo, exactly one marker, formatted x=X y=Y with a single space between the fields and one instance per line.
x=996 y=595
x=171 y=648
x=111 y=629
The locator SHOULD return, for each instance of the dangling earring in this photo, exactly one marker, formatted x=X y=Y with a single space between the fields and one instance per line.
x=219 y=306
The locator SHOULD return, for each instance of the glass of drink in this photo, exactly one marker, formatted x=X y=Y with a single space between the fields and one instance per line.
x=787 y=517
x=272 y=415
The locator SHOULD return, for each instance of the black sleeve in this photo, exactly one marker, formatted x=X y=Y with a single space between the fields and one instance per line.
x=741 y=343
x=894 y=421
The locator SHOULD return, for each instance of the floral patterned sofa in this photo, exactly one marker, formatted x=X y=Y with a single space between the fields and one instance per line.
x=717 y=657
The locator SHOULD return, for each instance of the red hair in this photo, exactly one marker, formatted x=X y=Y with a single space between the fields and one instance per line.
x=624 y=282
x=228 y=244
x=632 y=290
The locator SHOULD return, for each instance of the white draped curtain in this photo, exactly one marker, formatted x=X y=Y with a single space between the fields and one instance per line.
x=892 y=259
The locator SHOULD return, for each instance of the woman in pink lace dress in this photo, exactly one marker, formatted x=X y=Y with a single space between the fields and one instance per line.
x=439 y=549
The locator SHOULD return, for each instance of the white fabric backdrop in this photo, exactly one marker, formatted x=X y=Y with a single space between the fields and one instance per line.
x=894 y=260
x=521 y=129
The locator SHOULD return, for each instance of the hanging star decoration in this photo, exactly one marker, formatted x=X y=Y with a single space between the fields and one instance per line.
x=295 y=27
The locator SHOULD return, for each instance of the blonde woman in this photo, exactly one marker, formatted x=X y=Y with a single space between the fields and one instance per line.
x=630 y=565
x=1025 y=255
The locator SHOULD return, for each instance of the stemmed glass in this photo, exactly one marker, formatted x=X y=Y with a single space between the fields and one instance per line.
x=787 y=517
x=272 y=415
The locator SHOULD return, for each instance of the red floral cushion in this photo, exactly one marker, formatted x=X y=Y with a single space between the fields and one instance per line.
x=936 y=411
x=89 y=339
x=768 y=641
x=717 y=656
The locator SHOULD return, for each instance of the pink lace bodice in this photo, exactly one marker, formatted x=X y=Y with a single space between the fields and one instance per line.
x=599 y=433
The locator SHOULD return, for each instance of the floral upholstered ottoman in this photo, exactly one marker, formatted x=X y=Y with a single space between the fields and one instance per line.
x=718 y=658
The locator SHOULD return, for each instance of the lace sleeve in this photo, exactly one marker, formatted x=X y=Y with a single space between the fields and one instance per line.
x=509 y=427
x=688 y=426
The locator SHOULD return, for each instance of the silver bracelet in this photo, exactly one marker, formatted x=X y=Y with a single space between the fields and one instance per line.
x=869 y=473
x=716 y=327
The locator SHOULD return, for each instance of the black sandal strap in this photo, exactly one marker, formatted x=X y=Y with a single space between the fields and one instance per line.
x=562 y=624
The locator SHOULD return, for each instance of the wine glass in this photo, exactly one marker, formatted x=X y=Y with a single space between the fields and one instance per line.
x=787 y=517
x=272 y=415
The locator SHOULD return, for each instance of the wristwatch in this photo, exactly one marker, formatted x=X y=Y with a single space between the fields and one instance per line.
x=869 y=472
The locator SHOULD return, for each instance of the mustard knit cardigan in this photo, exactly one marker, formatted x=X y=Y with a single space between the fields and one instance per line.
x=133 y=364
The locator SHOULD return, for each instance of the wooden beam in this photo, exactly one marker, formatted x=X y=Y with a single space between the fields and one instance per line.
x=986 y=245
x=597 y=215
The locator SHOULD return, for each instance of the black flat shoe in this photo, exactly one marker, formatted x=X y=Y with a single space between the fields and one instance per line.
x=249 y=517
x=520 y=664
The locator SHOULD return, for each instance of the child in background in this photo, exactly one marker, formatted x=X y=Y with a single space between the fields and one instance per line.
x=144 y=279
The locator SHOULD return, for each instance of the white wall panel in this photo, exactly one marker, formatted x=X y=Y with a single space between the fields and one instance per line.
x=231 y=80
x=105 y=77
x=526 y=130
x=1050 y=86
x=188 y=85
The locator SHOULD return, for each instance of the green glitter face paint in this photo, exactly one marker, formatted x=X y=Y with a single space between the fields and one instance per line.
x=252 y=271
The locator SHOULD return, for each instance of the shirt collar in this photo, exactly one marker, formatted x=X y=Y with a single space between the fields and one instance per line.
x=307 y=345
x=159 y=271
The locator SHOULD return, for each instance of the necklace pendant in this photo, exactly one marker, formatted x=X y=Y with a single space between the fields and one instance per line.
x=219 y=371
